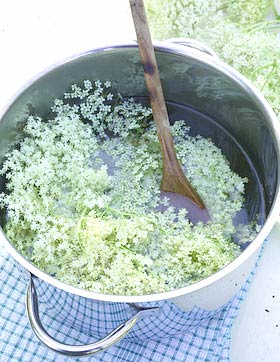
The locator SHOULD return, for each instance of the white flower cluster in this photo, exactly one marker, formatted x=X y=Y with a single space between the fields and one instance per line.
x=83 y=190
x=235 y=29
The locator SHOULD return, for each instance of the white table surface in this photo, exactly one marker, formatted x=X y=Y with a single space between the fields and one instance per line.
x=35 y=34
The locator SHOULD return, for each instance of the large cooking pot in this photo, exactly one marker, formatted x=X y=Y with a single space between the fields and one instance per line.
x=192 y=77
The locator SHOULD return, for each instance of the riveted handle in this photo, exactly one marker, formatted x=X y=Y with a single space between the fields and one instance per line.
x=76 y=350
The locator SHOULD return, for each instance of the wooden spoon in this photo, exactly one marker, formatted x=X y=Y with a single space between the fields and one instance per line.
x=173 y=177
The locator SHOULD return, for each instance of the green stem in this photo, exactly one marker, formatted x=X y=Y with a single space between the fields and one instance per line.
x=263 y=67
x=276 y=14
x=270 y=75
x=127 y=249
x=79 y=225
x=262 y=25
x=122 y=213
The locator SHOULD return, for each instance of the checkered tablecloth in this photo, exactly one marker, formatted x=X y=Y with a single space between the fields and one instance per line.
x=206 y=336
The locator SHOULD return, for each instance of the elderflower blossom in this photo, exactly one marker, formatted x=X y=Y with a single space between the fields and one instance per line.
x=246 y=12
x=82 y=205
x=168 y=18
x=236 y=30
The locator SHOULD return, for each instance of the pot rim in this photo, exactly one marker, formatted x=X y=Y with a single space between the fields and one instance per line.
x=214 y=62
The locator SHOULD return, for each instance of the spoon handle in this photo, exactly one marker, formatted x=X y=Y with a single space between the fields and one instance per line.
x=173 y=178
x=151 y=74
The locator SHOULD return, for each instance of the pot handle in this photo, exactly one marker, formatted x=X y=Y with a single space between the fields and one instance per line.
x=195 y=44
x=77 y=350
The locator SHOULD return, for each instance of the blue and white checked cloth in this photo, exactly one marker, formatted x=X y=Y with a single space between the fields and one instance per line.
x=199 y=335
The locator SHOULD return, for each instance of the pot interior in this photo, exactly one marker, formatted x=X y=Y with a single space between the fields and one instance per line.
x=213 y=102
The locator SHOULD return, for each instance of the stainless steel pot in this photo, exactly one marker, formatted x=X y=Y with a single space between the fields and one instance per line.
x=193 y=76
